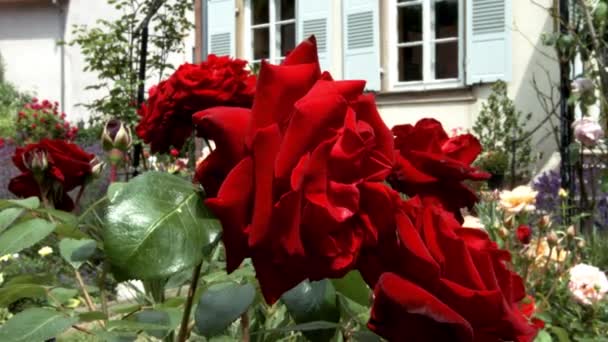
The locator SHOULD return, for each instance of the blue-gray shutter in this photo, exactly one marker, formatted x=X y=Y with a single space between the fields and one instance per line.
x=314 y=17
x=488 y=41
x=220 y=28
x=361 y=41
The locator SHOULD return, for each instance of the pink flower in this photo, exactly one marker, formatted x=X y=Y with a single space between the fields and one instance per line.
x=588 y=284
x=587 y=131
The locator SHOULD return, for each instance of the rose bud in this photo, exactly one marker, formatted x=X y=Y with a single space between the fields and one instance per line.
x=544 y=222
x=174 y=152
x=581 y=244
x=503 y=232
x=116 y=135
x=37 y=162
x=524 y=234
x=571 y=231
x=97 y=168
x=552 y=238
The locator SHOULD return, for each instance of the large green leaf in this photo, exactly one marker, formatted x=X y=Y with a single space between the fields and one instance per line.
x=12 y=293
x=76 y=252
x=24 y=235
x=156 y=225
x=354 y=287
x=8 y=216
x=27 y=203
x=311 y=302
x=35 y=324
x=221 y=305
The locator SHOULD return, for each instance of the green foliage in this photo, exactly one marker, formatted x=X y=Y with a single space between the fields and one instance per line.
x=36 y=324
x=112 y=48
x=500 y=127
x=11 y=99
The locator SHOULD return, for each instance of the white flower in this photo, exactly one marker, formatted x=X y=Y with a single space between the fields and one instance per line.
x=588 y=284
x=5 y=258
x=1 y=279
x=472 y=222
x=129 y=290
x=522 y=198
x=587 y=131
x=44 y=251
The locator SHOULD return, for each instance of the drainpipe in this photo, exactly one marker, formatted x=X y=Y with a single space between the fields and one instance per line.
x=62 y=22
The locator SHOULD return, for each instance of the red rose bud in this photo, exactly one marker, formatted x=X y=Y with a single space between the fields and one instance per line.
x=524 y=234
x=33 y=126
x=37 y=162
x=34 y=99
x=116 y=135
x=174 y=152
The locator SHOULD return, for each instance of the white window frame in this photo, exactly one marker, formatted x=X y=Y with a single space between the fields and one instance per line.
x=275 y=48
x=427 y=82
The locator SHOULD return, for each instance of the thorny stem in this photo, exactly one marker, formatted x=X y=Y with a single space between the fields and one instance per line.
x=183 y=330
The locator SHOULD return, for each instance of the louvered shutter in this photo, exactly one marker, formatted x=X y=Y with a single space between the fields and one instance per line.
x=488 y=41
x=362 y=41
x=220 y=27
x=313 y=17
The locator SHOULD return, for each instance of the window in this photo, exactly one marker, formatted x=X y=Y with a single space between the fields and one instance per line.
x=427 y=45
x=272 y=28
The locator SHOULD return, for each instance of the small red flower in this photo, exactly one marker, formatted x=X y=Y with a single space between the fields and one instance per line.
x=524 y=234
x=33 y=126
x=34 y=99
x=174 y=152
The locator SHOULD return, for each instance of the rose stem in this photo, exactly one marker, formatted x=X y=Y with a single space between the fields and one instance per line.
x=183 y=329
x=113 y=173
x=245 y=327
x=87 y=298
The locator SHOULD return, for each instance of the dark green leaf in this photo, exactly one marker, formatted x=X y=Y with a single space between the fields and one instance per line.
x=354 y=287
x=24 y=235
x=561 y=333
x=10 y=294
x=35 y=324
x=155 y=317
x=91 y=316
x=156 y=225
x=8 y=216
x=75 y=252
x=130 y=325
x=62 y=295
x=32 y=279
x=125 y=308
x=221 y=305
x=313 y=301
x=314 y=326
x=365 y=336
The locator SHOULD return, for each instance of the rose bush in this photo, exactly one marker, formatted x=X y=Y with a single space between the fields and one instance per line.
x=298 y=201
x=50 y=169
x=166 y=117
x=433 y=165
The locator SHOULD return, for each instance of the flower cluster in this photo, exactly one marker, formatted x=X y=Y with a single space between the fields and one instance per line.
x=166 y=118
x=299 y=183
x=41 y=119
x=588 y=284
x=50 y=169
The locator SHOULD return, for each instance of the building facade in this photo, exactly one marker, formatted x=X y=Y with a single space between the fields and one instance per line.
x=424 y=58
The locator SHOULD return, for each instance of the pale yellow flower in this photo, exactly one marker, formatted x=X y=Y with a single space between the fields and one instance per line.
x=6 y=257
x=72 y=303
x=587 y=284
x=44 y=251
x=541 y=252
x=522 y=198
x=562 y=193
x=472 y=222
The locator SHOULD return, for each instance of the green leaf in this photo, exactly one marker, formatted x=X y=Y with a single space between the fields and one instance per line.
x=75 y=252
x=313 y=301
x=8 y=216
x=156 y=225
x=12 y=293
x=131 y=325
x=35 y=324
x=114 y=188
x=125 y=308
x=91 y=316
x=353 y=310
x=63 y=295
x=354 y=287
x=314 y=326
x=27 y=203
x=365 y=336
x=561 y=333
x=60 y=215
x=33 y=279
x=24 y=235
x=70 y=231
x=221 y=305
x=543 y=336
x=155 y=317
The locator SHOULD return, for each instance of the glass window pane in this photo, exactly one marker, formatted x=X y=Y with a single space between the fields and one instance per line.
x=446 y=60
x=287 y=38
x=259 y=11
x=410 y=23
x=446 y=18
x=286 y=9
x=410 y=63
x=261 y=43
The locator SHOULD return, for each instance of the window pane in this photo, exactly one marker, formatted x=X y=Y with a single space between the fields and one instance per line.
x=260 y=12
x=446 y=60
x=410 y=23
x=446 y=18
x=410 y=63
x=287 y=38
x=261 y=43
x=286 y=9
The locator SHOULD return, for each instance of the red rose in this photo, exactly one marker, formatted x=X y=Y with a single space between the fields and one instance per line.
x=58 y=165
x=174 y=152
x=524 y=234
x=432 y=165
x=166 y=118
x=528 y=309
x=437 y=281
x=315 y=153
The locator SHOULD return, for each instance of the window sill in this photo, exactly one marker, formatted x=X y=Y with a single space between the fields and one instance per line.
x=387 y=98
